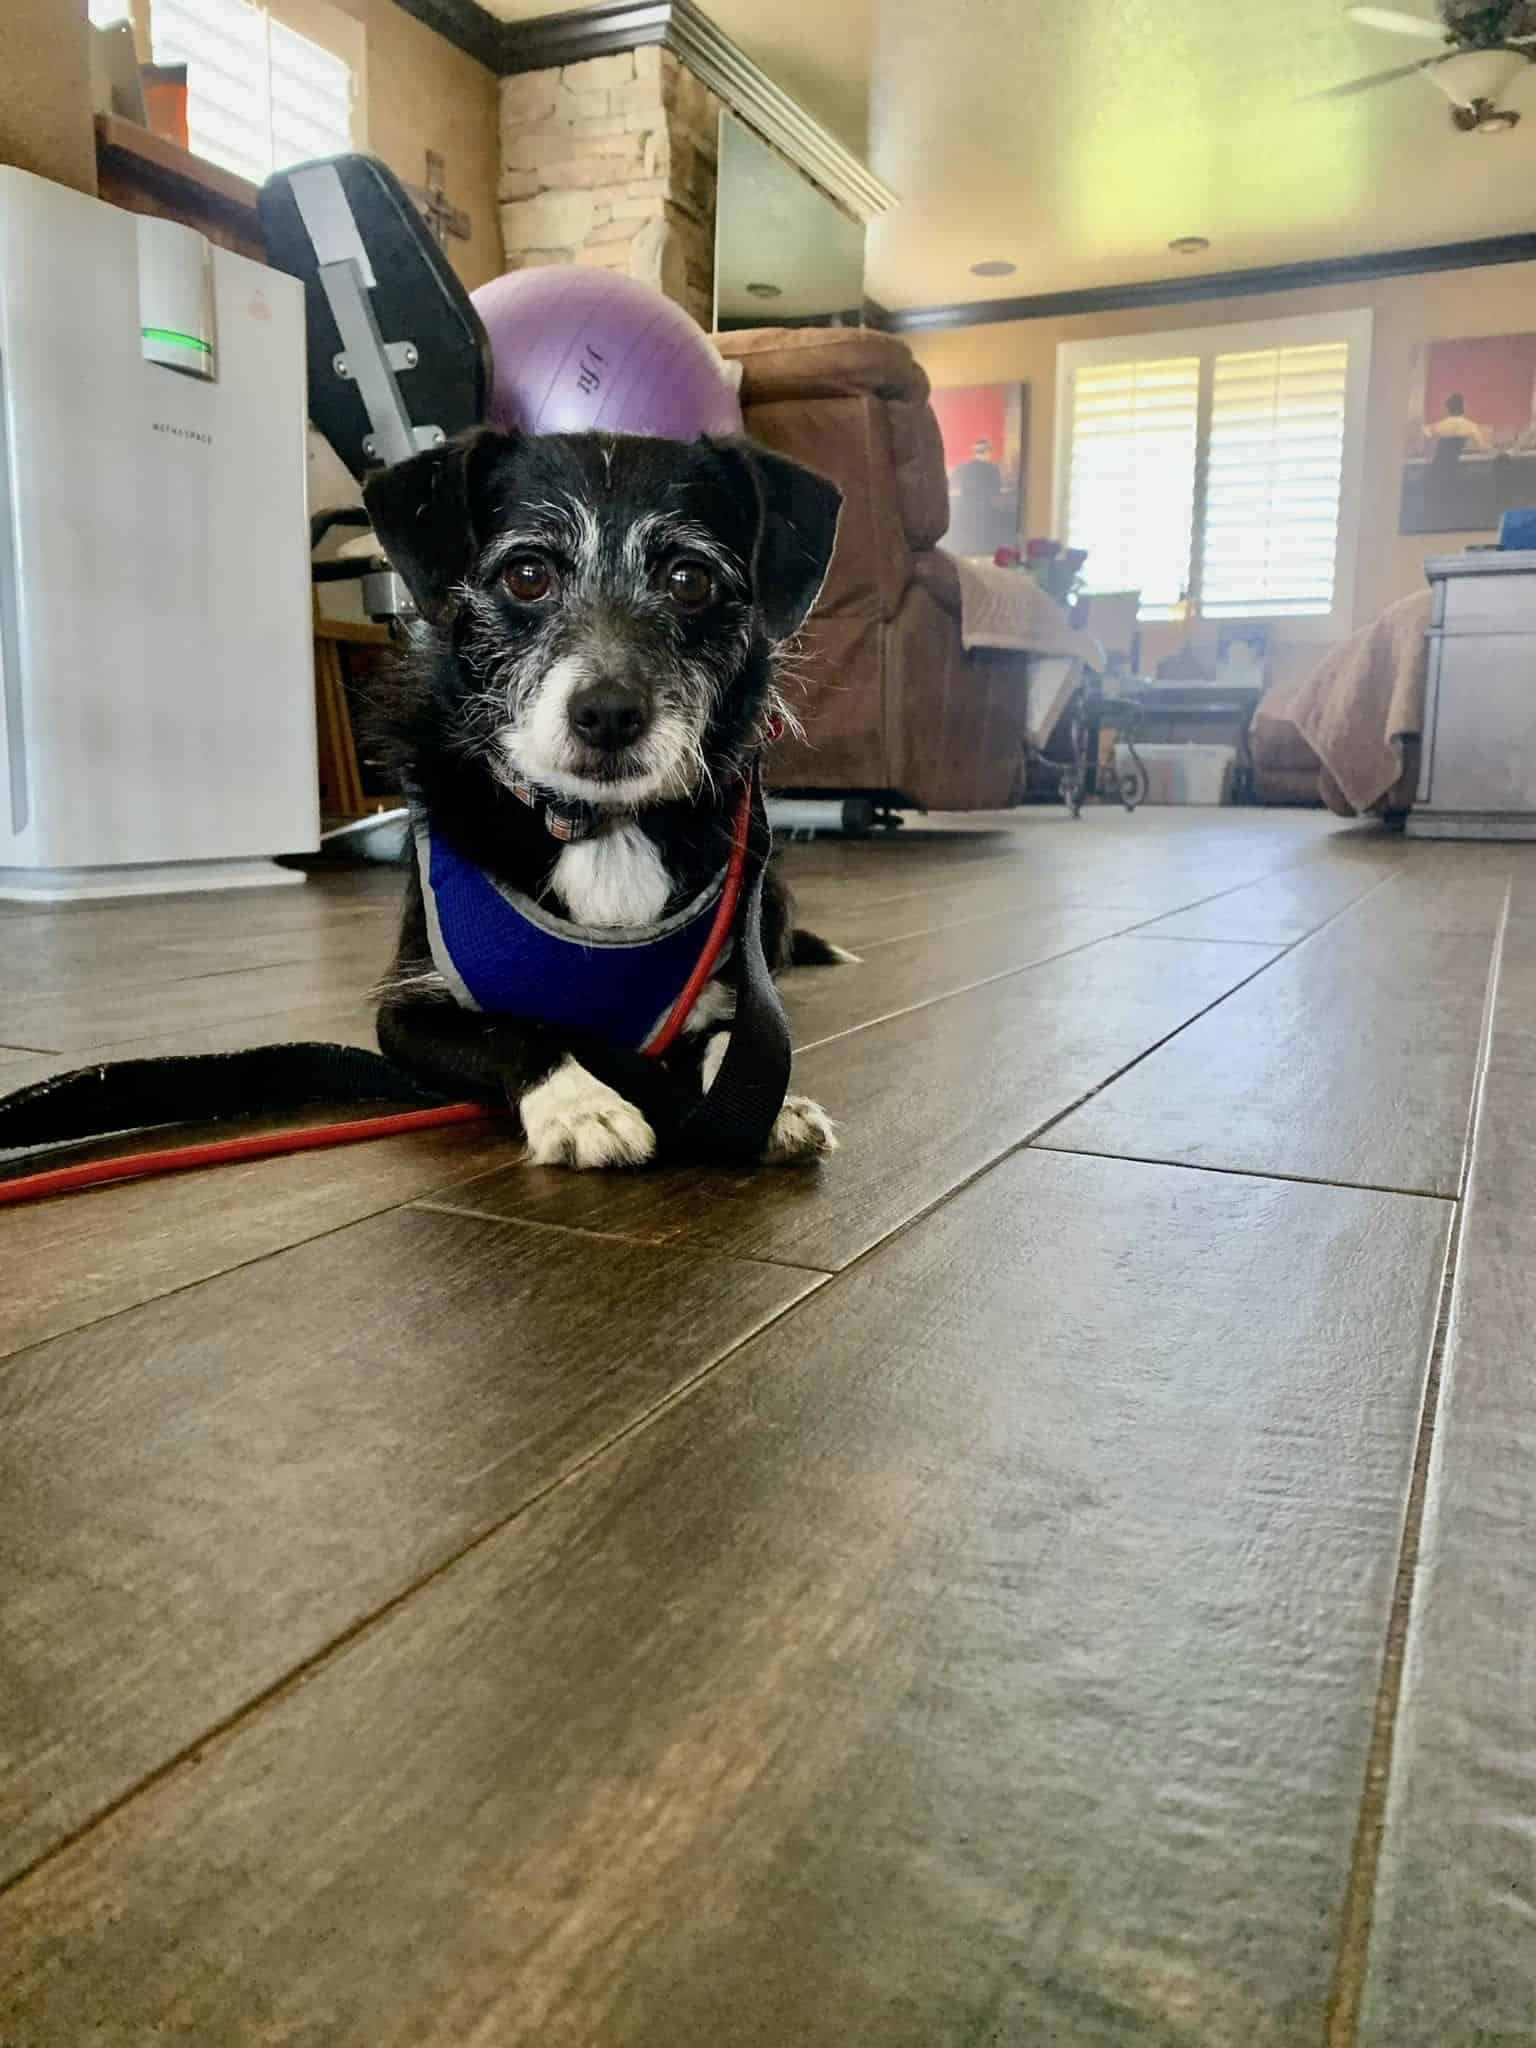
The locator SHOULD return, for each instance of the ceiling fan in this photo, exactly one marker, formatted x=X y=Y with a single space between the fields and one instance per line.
x=1483 y=46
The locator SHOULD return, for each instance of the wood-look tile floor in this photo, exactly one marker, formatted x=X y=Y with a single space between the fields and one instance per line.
x=1058 y=1574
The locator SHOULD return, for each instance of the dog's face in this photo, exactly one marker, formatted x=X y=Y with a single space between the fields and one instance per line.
x=612 y=601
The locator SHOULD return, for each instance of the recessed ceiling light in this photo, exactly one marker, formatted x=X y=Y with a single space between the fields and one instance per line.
x=765 y=291
x=994 y=268
x=1189 y=245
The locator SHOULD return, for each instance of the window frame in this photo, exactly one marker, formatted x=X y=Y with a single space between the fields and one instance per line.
x=1353 y=326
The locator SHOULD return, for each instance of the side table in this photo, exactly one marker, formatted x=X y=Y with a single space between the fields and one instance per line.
x=1221 y=712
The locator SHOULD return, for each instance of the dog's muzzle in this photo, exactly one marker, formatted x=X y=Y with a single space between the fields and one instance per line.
x=609 y=716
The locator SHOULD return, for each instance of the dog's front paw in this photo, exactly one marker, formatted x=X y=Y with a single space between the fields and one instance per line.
x=802 y=1130
x=573 y=1119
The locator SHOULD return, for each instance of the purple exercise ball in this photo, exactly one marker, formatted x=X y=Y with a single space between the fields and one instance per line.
x=577 y=350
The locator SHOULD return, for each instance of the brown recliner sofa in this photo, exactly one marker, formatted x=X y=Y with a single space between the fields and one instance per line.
x=892 y=705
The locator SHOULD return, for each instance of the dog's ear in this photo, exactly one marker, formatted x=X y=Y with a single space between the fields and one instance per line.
x=424 y=513
x=796 y=528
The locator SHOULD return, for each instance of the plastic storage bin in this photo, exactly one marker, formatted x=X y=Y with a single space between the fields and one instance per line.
x=1182 y=772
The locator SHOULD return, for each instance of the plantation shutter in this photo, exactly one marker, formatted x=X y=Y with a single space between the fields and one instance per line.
x=1131 y=475
x=1274 y=473
x=260 y=95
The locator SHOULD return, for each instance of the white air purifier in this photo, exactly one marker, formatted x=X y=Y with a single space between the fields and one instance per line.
x=157 y=708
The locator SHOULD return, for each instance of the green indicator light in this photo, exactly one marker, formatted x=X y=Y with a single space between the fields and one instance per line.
x=177 y=340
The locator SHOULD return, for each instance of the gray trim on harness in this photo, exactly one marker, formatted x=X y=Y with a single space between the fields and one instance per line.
x=442 y=959
x=620 y=938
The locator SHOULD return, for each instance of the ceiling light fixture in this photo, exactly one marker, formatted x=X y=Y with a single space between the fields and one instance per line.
x=765 y=291
x=1189 y=245
x=993 y=267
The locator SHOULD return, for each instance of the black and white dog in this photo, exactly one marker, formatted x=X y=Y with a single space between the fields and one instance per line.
x=594 y=673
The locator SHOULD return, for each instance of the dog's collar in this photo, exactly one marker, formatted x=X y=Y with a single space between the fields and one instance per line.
x=569 y=818
x=566 y=818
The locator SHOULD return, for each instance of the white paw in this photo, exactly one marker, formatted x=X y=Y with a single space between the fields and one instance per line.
x=573 y=1119
x=801 y=1130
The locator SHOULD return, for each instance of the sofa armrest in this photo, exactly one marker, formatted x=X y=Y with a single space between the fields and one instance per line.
x=938 y=575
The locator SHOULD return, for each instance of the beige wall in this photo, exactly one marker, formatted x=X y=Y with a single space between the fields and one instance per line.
x=45 y=91
x=423 y=94
x=1408 y=311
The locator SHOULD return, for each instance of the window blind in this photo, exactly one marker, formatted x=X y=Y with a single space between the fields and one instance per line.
x=259 y=95
x=1131 y=475
x=1274 y=471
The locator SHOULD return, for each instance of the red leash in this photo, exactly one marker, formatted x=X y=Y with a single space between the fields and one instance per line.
x=665 y=1036
x=88 y=1173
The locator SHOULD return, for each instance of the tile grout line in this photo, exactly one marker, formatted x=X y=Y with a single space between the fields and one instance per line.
x=433 y=1207
x=339 y=1645
x=1210 y=939
x=1352 y=1960
x=1304 y=1180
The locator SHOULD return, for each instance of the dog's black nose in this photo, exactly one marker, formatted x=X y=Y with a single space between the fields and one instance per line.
x=609 y=715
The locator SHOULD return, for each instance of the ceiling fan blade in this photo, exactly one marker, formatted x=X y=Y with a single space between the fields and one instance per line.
x=1396 y=21
x=1351 y=86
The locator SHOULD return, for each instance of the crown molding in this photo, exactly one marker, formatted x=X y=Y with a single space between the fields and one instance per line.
x=712 y=57
x=1221 y=284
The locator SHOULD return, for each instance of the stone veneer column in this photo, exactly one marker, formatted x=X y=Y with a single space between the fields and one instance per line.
x=612 y=162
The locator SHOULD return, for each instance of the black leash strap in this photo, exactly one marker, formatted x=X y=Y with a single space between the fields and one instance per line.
x=730 y=1125
x=195 y=1088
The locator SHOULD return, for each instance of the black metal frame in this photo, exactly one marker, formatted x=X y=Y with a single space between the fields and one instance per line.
x=1088 y=711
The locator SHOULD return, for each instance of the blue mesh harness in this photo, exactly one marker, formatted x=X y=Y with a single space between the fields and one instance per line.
x=501 y=952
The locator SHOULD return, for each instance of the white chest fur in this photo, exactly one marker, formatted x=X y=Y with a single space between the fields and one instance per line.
x=616 y=878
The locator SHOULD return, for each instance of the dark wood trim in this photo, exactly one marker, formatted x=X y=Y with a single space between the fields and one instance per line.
x=468 y=27
x=168 y=167
x=583 y=32
x=746 y=323
x=1221 y=284
x=144 y=173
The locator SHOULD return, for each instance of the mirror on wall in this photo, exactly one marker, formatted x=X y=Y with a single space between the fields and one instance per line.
x=785 y=254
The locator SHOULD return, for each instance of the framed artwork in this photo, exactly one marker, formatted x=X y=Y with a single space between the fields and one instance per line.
x=983 y=426
x=1470 y=450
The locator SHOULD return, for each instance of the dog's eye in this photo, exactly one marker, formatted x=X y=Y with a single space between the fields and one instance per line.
x=690 y=586
x=529 y=578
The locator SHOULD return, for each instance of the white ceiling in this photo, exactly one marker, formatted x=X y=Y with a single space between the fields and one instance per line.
x=1077 y=138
